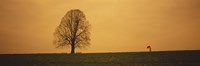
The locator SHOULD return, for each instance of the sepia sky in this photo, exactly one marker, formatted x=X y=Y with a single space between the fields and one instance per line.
x=27 y=26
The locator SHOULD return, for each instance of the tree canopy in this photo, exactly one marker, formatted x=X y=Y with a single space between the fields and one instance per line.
x=73 y=31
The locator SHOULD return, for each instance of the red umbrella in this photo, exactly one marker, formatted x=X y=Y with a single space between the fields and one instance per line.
x=149 y=46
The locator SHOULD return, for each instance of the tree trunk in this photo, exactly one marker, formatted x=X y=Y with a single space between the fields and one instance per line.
x=72 y=48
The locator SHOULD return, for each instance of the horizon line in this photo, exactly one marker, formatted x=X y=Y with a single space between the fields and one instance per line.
x=93 y=52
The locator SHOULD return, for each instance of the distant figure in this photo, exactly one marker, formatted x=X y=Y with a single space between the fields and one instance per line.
x=149 y=47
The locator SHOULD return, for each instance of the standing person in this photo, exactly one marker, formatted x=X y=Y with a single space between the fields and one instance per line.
x=149 y=47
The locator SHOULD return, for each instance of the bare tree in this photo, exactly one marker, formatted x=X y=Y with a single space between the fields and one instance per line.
x=73 y=31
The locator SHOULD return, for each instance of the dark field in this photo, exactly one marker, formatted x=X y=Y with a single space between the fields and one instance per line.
x=165 y=58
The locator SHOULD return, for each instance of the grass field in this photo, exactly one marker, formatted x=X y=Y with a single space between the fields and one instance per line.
x=164 y=58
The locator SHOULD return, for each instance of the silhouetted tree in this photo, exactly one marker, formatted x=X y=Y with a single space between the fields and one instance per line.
x=73 y=31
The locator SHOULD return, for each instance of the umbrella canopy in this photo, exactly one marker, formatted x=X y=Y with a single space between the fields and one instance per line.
x=149 y=46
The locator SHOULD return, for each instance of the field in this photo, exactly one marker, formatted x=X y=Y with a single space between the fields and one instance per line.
x=164 y=58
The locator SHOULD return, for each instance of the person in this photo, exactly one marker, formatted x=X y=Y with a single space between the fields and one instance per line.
x=149 y=47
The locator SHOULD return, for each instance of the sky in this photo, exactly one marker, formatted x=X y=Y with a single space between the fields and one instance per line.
x=27 y=26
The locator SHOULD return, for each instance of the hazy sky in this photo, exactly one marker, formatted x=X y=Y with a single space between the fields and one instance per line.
x=27 y=26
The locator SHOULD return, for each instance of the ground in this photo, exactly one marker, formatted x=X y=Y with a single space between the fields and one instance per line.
x=164 y=58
